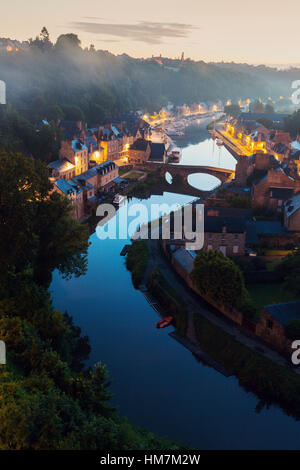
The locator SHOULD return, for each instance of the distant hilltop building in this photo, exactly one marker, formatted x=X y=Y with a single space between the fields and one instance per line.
x=12 y=45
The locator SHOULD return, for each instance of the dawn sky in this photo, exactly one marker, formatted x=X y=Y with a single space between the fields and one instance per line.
x=260 y=31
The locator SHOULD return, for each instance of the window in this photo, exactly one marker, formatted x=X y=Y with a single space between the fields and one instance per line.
x=223 y=249
x=209 y=247
x=235 y=249
x=269 y=324
x=236 y=237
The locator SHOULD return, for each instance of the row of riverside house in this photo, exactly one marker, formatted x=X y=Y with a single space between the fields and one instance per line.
x=272 y=173
x=89 y=159
x=269 y=179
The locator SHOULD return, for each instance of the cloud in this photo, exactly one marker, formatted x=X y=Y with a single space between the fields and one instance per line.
x=143 y=31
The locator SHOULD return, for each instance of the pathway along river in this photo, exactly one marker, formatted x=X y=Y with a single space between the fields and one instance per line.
x=157 y=383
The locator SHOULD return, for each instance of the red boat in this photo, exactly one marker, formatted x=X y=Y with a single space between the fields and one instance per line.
x=164 y=322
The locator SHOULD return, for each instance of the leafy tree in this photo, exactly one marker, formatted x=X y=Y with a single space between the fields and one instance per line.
x=292 y=329
x=269 y=108
x=219 y=278
x=232 y=110
x=292 y=123
x=289 y=270
x=68 y=43
x=257 y=106
x=268 y=123
x=44 y=35
x=38 y=221
x=73 y=113
x=48 y=400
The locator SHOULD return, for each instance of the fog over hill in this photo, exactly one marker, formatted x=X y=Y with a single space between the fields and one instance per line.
x=46 y=80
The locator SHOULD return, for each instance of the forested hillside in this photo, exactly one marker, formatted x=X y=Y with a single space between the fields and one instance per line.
x=47 y=80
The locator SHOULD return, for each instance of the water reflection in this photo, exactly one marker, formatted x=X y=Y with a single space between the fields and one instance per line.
x=199 y=149
x=157 y=383
x=203 y=182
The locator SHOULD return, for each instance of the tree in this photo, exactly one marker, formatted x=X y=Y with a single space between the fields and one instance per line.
x=268 y=123
x=292 y=329
x=44 y=35
x=68 y=43
x=73 y=113
x=257 y=107
x=269 y=108
x=292 y=123
x=37 y=230
x=219 y=278
x=289 y=270
x=232 y=110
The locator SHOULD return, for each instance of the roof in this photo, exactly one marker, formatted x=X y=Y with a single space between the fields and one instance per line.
x=140 y=144
x=274 y=117
x=106 y=134
x=295 y=154
x=281 y=193
x=281 y=148
x=61 y=165
x=157 y=152
x=232 y=224
x=251 y=234
x=91 y=140
x=67 y=187
x=119 y=180
x=266 y=176
x=115 y=131
x=105 y=167
x=260 y=227
x=295 y=144
x=183 y=257
x=230 y=187
x=227 y=212
x=71 y=129
x=82 y=182
x=269 y=226
x=284 y=313
x=77 y=145
x=292 y=205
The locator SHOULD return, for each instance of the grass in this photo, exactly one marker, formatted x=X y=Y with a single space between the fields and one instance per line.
x=134 y=175
x=123 y=171
x=267 y=294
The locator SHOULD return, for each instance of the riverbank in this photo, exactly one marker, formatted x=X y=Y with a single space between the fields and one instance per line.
x=117 y=317
x=259 y=368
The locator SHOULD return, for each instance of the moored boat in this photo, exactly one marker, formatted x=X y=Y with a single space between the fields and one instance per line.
x=118 y=199
x=164 y=322
x=176 y=154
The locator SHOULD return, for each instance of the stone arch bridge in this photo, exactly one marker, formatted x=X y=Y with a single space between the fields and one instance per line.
x=222 y=174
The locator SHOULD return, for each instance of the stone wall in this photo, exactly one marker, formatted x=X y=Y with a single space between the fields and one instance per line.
x=267 y=328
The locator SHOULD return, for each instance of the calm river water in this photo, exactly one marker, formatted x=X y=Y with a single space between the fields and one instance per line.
x=157 y=383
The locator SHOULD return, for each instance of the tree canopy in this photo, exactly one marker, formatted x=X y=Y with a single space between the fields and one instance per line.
x=48 y=399
x=218 y=277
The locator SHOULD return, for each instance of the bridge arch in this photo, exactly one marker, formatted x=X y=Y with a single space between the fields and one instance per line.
x=185 y=170
x=203 y=181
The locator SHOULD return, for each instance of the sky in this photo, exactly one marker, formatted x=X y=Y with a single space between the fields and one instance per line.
x=260 y=31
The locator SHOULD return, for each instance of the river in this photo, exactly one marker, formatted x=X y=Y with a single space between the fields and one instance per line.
x=157 y=383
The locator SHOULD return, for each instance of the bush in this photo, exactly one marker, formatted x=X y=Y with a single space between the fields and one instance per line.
x=292 y=329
